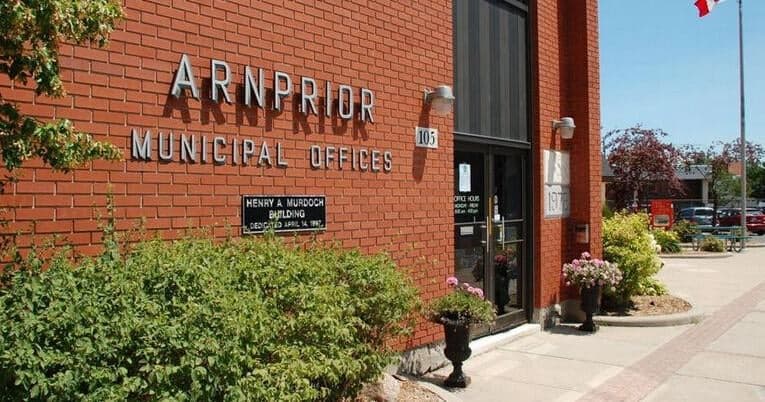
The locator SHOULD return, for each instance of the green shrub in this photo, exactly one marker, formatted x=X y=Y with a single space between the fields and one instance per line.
x=250 y=320
x=607 y=212
x=627 y=241
x=685 y=230
x=667 y=240
x=711 y=243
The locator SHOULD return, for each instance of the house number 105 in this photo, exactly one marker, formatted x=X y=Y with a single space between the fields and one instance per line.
x=426 y=137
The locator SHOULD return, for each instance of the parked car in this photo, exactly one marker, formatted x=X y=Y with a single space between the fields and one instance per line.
x=725 y=212
x=699 y=215
x=755 y=219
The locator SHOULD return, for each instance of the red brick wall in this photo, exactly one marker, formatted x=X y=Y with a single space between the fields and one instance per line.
x=393 y=48
x=375 y=44
x=566 y=83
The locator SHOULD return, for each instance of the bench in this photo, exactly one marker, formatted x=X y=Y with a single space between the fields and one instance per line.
x=731 y=236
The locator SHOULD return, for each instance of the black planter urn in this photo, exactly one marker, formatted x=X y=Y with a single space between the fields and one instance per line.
x=590 y=305
x=457 y=334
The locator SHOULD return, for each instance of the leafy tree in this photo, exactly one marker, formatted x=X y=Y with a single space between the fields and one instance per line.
x=714 y=163
x=30 y=34
x=755 y=175
x=640 y=158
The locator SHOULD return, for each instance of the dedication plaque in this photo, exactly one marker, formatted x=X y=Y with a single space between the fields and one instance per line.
x=288 y=213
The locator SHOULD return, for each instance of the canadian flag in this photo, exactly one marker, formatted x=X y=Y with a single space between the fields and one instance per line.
x=706 y=6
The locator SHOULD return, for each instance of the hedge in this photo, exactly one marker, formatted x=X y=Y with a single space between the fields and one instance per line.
x=254 y=320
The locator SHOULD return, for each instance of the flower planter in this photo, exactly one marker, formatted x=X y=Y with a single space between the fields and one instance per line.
x=456 y=311
x=457 y=338
x=590 y=305
x=591 y=275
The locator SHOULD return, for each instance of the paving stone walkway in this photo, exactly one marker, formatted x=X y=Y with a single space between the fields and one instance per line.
x=637 y=381
x=720 y=359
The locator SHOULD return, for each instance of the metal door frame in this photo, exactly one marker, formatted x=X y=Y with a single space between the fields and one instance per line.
x=489 y=150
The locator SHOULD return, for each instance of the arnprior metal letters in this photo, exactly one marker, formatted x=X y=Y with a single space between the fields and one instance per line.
x=218 y=150
x=282 y=88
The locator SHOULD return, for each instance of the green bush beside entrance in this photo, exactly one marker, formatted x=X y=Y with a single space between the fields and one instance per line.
x=253 y=320
x=627 y=241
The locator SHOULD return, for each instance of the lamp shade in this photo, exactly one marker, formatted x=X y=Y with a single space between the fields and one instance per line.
x=441 y=99
x=565 y=126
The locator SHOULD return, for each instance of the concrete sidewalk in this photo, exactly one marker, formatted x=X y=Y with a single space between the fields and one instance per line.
x=720 y=359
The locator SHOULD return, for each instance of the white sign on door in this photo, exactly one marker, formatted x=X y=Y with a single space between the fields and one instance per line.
x=464 y=177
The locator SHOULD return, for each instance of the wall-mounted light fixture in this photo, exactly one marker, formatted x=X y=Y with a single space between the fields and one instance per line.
x=441 y=99
x=566 y=127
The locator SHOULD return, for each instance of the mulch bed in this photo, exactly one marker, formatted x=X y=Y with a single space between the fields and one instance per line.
x=410 y=392
x=650 y=305
x=413 y=392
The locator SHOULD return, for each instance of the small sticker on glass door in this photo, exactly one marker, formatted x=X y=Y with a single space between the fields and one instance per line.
x=464 y=180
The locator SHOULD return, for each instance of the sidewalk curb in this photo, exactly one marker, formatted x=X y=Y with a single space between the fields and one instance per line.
x=693 y=316
x=489 y=343
x=726 y=254
x=480 y=347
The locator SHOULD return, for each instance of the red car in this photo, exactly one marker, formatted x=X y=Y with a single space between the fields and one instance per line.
x=755 y=219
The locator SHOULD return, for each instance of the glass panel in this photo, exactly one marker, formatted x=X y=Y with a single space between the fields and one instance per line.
x=508 y=188
x=507 y=232
x=507 y=277
x=469 y=201
x=469 y=242
x=470 y=218
x=490 y=69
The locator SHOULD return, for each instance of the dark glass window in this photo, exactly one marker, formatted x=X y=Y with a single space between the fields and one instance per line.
x=490 y=63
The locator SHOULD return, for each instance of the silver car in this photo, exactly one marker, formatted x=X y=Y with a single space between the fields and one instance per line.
x=698 y=215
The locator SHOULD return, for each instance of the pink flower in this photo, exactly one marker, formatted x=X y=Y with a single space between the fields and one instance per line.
x=586 y=255
x=478 y=292
x=452 y=281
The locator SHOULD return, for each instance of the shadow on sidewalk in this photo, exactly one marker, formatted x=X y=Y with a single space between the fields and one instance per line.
x=568 y=329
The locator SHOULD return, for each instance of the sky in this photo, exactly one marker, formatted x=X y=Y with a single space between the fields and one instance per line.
x=664 y=67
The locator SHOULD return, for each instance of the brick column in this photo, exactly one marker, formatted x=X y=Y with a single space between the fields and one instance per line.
x=565 y=82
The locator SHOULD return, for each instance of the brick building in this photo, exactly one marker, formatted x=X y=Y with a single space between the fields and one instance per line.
x=214 y=100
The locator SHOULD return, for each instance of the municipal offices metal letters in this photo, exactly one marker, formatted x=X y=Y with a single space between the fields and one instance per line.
x=194 y=148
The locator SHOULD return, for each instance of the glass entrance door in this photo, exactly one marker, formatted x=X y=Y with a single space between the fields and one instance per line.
x=490 y=228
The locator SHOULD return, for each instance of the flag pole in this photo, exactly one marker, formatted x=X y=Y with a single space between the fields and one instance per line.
x=743 y=124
